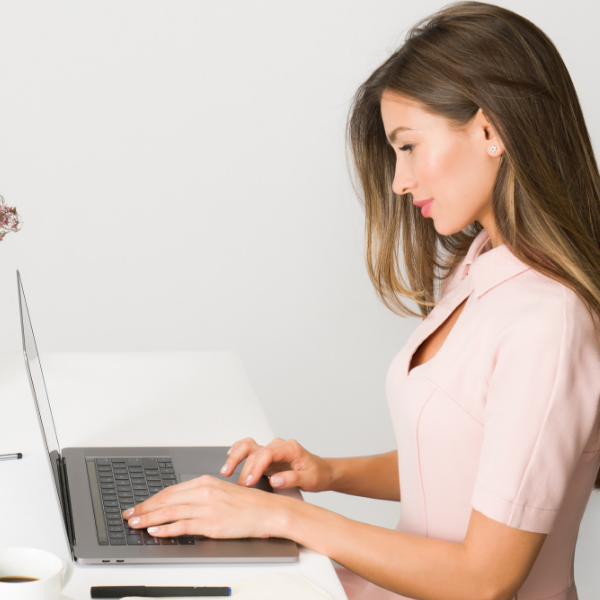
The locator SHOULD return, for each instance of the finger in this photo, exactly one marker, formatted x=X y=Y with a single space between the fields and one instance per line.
x=167 y=515
x=249 y=468
x=250 y=462
x=285 y=452
x=289 y=479
x=175 y=494
x=126 y=514
x=183 y=527
x=238 y=452
x=256 y=464
x=245 y=440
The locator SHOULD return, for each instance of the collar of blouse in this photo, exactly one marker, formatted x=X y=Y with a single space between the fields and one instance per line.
x=489 y=266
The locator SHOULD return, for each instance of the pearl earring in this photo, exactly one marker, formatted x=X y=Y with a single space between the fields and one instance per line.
x=493 y=149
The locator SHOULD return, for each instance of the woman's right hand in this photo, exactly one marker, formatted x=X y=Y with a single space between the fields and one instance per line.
x=285 y=462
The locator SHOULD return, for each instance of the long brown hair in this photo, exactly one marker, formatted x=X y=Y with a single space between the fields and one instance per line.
x=546 y=198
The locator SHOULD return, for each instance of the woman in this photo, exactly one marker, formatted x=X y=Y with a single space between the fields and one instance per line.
x=482 y=199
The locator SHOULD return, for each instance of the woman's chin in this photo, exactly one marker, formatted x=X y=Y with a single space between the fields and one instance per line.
x=447 y=228
x=442 y=228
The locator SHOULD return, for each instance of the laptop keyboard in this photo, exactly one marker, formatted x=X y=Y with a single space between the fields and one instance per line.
x=120 y=483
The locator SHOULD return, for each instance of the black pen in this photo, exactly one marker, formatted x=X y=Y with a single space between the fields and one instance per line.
x=122 y=591
x=10 y=456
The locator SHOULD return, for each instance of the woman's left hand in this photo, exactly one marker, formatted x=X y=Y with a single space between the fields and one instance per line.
x=211 y=507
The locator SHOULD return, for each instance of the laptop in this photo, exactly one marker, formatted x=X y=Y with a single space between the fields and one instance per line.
x=95 y=485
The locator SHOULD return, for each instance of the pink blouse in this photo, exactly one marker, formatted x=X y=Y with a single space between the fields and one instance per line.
x=504 y=418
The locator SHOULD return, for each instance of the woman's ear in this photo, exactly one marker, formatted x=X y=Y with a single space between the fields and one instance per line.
x=494 y=147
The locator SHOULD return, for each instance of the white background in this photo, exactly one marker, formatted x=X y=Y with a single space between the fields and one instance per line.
x=181 y=173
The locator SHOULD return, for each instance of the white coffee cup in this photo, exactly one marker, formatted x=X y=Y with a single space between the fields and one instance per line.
x=51 y=572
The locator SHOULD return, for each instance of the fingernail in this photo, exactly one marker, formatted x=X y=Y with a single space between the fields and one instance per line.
x=152 y=529
x=276 y=480
x=229 y=451
x=135 y=521
x=224 y=468
x=128 y=513
x=248 y=479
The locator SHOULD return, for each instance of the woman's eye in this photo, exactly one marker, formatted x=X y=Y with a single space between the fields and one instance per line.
x=406 y=147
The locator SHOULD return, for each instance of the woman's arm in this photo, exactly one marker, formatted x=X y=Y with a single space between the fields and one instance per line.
x=288 y=464
x=491 y=563
x=369 y=476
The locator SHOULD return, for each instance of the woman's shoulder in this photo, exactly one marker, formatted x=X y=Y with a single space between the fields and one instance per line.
x=517 y=293
x=539 y=310
x=547 y=296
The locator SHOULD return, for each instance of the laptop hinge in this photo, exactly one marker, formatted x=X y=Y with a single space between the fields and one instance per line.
x=66 y=500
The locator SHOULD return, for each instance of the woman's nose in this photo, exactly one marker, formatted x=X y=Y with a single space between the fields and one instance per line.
x=403 y=182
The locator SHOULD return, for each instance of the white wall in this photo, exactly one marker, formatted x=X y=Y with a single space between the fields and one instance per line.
x=180 y=170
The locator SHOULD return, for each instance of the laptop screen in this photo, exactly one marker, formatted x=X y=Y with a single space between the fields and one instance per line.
x=38 y=386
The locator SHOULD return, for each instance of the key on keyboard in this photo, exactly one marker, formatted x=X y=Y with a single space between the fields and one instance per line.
x=120 y=483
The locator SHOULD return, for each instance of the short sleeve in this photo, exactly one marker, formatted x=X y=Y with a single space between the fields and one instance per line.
x=541 y=412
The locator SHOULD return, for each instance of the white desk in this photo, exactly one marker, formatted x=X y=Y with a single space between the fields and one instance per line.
x=134 y=399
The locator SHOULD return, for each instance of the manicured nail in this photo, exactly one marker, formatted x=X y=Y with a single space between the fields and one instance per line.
x=153 y=529
x=229 y=451
x=135 y=521
x=128 y=513
x=248 y=479
x=276 y=480
x=224 y=468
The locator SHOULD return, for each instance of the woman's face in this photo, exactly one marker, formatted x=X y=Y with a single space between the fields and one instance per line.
x=455 y=168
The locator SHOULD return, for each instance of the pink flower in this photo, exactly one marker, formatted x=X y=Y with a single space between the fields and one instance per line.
x=9 y=219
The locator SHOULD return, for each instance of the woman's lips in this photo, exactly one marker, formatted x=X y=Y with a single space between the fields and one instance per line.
x=424 y=205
